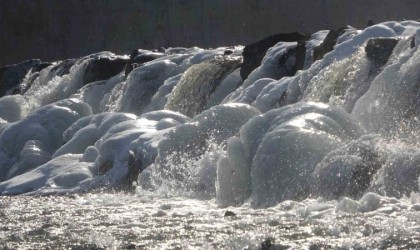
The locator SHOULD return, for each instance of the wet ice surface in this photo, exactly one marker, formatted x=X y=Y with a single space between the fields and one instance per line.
x=127 y=221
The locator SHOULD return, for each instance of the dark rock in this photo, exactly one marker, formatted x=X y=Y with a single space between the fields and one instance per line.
x=103 y=68
x=254 y=53
x=105 y=167
x=87 y=247
x=268 y=244
x=228 y=52
x=129 y=246
x=139 y=57
x=380 y=49
x=135 y=167
x=328 y=44
x=300 y=57
x=12 y=75
x=413 y=42
x=370 y=23
x=229 y=214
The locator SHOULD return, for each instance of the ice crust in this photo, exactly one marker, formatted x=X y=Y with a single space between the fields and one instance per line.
x=344 y=127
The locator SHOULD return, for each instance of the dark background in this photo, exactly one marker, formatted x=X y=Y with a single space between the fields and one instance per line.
x=58 y=29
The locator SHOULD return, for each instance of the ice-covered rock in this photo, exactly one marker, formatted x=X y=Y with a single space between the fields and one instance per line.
x=277 y=152
x=254 y=53
x=283 y=59
x=328 y=43
x=139 y=57
x=102 y=66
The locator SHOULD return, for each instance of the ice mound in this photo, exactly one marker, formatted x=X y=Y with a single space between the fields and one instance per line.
x=60 y=175
x=276 y=153
x=39 y=133
x=142 y=83
x=95 y=154
x=10 y=108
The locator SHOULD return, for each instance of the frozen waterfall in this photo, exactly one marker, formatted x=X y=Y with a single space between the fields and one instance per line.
x=333 y=114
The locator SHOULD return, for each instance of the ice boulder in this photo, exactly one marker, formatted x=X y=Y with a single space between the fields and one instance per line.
x=86 y=131
x=64 y=174
x=128 y=147
x=45 y=125
x=276 y=153
x=142 y=83
x=11 y=108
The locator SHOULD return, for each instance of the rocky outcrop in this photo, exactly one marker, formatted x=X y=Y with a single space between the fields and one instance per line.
x=103 y=68
x=380 y=49
x=254 y=53
x=328 y=44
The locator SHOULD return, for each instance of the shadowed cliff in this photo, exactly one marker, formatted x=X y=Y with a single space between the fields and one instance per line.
x=52 y=30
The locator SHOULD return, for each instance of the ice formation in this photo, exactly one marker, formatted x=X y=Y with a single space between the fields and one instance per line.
x=334 y=114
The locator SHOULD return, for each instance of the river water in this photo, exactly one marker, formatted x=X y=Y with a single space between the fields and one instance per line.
x=129 y=221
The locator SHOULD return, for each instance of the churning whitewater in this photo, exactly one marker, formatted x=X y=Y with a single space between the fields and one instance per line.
x=309 y=127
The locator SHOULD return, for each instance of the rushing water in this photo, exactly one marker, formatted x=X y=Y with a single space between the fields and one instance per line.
x=121 y=221
x=318 y=147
